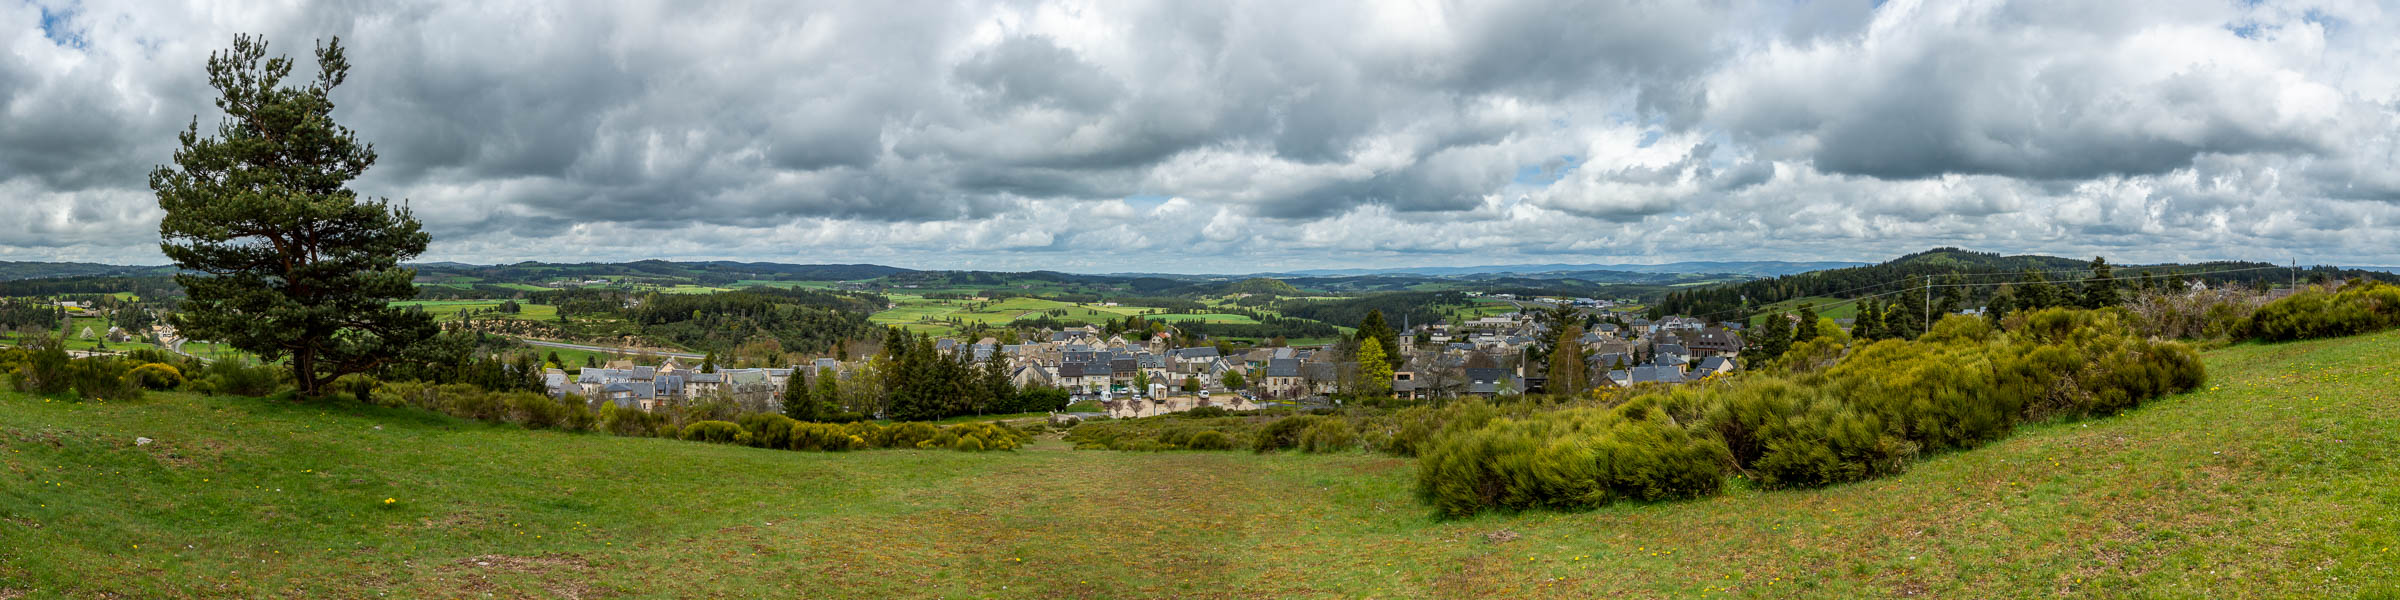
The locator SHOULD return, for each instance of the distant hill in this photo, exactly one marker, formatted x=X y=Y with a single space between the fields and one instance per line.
x=11 y=271
x=1766 y=268
x=1980 y=268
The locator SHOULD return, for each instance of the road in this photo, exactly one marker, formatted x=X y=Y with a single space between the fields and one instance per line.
x=550 y=344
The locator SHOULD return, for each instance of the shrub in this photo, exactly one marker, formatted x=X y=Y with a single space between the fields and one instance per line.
x=156 y=376
x=822 y=437
x=45 y=368
x=1574 y=458
x=1417 y=426
x=906 y=435
x=630 y=422
x=768 y=430
x=1210 y=440
x=2360 y=307
x=1205 y=412
x=534 y=411
x=714 y=432
x=1284 y=433
x=236 y=378
x=360 y=386
x=102 y=378
x=1328 y=435
x=576 y=413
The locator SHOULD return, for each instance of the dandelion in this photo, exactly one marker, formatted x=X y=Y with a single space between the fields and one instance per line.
x=389 y=501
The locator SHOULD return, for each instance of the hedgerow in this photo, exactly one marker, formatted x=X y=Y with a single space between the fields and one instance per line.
x=2361 y=306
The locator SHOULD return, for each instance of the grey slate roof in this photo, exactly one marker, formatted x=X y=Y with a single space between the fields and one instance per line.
x=1283 y=367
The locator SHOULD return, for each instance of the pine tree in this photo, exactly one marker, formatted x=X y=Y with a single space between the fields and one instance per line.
x=1375 y=328
x=1566 y=363
x=1953 y=296
x=1868 y=325
x=1807 y=329
x=1773 y=338
x=2035 y=293
x=798 y=402
x=2101 y=291
x=280 y=257
x=708 y=364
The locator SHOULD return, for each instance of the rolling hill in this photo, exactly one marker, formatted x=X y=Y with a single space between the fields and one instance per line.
x=2275 y=481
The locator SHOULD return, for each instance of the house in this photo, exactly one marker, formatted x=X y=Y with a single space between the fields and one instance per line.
x=1716 y=341
x=1715 y=365
x=1322 y=377
x=1404 y=385
x=1490 y=382
x=1283 y=379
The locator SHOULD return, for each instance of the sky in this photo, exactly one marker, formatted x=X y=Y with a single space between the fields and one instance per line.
x=1238 y=136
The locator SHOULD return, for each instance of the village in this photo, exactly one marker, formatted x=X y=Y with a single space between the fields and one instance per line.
x=1160 y=374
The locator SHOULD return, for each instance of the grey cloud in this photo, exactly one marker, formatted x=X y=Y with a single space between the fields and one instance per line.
x=1288 y=132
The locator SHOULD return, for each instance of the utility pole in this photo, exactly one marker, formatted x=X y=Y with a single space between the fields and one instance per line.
x=2295 y=274
x=1928 y=305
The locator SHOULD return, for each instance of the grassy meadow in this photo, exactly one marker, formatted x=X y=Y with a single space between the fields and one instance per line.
x=443 y=310
x=2273 y=481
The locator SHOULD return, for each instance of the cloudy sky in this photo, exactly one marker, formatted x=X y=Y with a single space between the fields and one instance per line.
x=1244 y=136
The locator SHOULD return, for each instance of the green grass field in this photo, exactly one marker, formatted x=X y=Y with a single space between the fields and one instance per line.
x=2275 y=481
x=1825 y=307
x=448 y=309
x=917 y=313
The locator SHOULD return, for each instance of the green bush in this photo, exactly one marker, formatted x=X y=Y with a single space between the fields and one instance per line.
x=235 y=378
x=1205 y=412
x=45 y=368
x=1574 y=458
x=577 y=413
x=156 y=376
x=1284 y=434
x=1327 y=436
x=822 y=437
x=2360 y=307
x=103 y=378
x=714 y=432
x=906 y=435
x=768 y=430
x=1963 y=384
x=1210 y=440
x=531 y=410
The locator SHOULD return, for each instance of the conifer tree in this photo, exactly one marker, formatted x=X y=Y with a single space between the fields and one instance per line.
x=1807 y=329
x=2101 y=291
x=281 y=258
x=798 y=402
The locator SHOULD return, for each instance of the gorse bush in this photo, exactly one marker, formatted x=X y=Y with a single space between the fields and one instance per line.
x=1285 y=433
x=1328 y=435
x=235 y=378
x=1963 y=384
x=103 y=378
x=2360 y=307
x=156 y=376
x=715 y=432
x=1574 y=458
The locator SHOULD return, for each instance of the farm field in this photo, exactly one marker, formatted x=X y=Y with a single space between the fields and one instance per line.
x=242 y=497
x=1825 y=307
x=449 y=309
x=918 y=313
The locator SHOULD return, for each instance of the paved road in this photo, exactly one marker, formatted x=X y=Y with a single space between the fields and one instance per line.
x=550 y=344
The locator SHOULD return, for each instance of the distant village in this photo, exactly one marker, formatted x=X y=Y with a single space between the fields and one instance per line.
x=1156 y=375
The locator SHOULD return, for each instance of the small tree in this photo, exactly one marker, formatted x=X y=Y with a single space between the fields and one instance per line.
x=2101 y=291
x=1374 y=373
x=1807 y=329
x=708 y=364
x=1566 y=363
x=1191 y=385
x=1233 y=380
x=798 y=402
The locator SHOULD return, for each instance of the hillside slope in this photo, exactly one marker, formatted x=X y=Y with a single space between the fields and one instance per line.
x=2275 y=482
